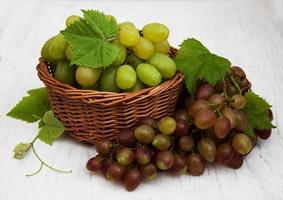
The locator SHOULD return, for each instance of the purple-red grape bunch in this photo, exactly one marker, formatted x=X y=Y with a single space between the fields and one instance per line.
x=206 y=128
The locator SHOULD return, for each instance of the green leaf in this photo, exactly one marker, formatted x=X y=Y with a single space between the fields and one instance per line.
x=197 y=62
x=256 y=110
x=32 y=107
x=52 y=128
x=20 y=150
x=89 y=37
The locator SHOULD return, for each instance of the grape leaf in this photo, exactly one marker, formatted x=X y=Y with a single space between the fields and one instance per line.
x=89 y=37
x=52 y=128
x=32 y=107
x=197 y=62
x=256 y=110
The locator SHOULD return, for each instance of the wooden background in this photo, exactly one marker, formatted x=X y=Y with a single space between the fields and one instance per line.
x=248 y=32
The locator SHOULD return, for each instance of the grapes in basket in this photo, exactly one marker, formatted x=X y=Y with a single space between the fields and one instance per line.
x=208 y=127
x=123 y=60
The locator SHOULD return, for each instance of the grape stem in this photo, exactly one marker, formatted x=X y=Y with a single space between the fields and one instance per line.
x=44 y=163
x=235 y=84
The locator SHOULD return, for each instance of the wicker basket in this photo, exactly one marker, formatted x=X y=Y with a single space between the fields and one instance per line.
x=89 y=115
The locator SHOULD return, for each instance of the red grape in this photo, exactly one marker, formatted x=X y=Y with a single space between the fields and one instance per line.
x=148 y=121
x=241 y=121
x=205 y=118
x=196 y=164
x=230 y=114
x=185 y=143
x=149 y=171
x=115 y=172
x=94 y=164
x=204 y=92
x=263 y=133
x=179 y=165
x=222 y=127
x=182 y=114
x=164 y=160
x=143 y=155
x=126 y=137
x=103 y=147
x=105 y=164
x=132 y=179
x=182 y=127
x=216 y=99
x=224 y=153
x=197 y=106
x=236 y=162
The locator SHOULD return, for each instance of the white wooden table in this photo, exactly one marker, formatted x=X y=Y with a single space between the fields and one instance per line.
x=248 y=32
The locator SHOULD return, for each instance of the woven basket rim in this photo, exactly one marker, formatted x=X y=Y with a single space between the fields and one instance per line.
x=106 y=98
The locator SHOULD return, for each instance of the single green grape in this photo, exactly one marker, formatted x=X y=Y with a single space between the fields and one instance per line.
x=121 y=56
x=87 y=77
x=155 y=32
x=144 y=48
x=71 y=19
x=107 y=80
x=167 y=125
x=126 y=77
x=138 y=86
x=69 y=52
x=148 y=74
x=129 y=36
x=45 y=50
x=65 y=73
x=161 y=47
x=164 y=64
x=126 y=24
x=57 y=47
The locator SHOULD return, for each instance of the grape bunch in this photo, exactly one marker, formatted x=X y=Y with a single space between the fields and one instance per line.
x=142 y=60
x=206 y=128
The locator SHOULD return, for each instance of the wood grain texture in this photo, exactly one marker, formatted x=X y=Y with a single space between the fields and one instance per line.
x=248 y=32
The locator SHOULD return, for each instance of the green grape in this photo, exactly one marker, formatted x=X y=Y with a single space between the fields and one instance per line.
x=129 y=36
x=138 y=86
x=71 y=19
x=144 y=48
x=126 y=24
x=164 y=64
x=65 y=73
x=167 y=125
x=107 y=80
x=57 y=47
x=121 y=57
x=126 y=77
x=241 y=143
x=161 y=47
x=69 y=52
x=148 y=74
x=133 y=60
x=238 y=101
x=87 y=77
x=161 y=142
x=155 y=32
x=45 y=50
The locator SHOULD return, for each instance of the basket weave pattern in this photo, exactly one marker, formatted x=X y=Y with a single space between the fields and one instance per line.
x=89 y=115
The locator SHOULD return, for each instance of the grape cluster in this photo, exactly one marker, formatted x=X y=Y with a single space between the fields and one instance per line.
x=207 y=128
x=142 y=60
